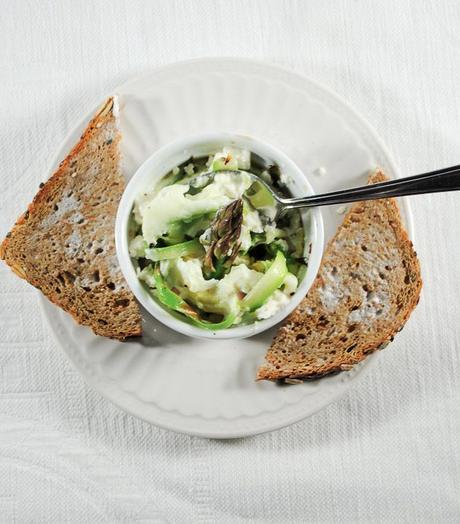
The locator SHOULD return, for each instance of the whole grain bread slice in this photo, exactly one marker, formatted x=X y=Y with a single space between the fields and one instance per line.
x=64 y=243
x=368 y=284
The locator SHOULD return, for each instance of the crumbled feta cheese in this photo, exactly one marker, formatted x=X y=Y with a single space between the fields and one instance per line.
x=137 y=247
x=272 y=306
x=285 y=179
x=192 y=276
x=205 y=237
x=189 y=169
x=290 y=284
x=242 y=157
x=266 y=177
x=146 y=275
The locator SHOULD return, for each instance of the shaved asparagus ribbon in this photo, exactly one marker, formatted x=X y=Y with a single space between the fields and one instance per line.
x=271 y=281
x=189 y=248
x=173 y=301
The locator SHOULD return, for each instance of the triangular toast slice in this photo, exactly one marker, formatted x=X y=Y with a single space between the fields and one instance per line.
x=368 y=284
x=64 y=243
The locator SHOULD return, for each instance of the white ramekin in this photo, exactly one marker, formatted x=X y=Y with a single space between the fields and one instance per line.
x=173 y=154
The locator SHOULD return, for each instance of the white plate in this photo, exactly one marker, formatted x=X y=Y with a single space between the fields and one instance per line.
x=207 y=388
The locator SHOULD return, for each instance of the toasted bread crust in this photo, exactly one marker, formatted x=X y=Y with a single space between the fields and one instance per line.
x=328 y=334
x=88 y=286
x=48 y=188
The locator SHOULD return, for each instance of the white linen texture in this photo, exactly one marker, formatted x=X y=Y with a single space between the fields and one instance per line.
x=387 y=451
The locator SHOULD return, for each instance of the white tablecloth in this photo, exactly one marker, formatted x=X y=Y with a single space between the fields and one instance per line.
x=388 y=451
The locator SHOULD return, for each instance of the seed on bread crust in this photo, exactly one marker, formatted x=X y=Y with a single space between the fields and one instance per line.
x=293 y=381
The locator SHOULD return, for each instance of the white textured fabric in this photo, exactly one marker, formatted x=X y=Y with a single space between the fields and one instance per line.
x=388 y=451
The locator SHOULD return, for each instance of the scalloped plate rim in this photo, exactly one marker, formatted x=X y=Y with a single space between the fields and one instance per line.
x=106 y=386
